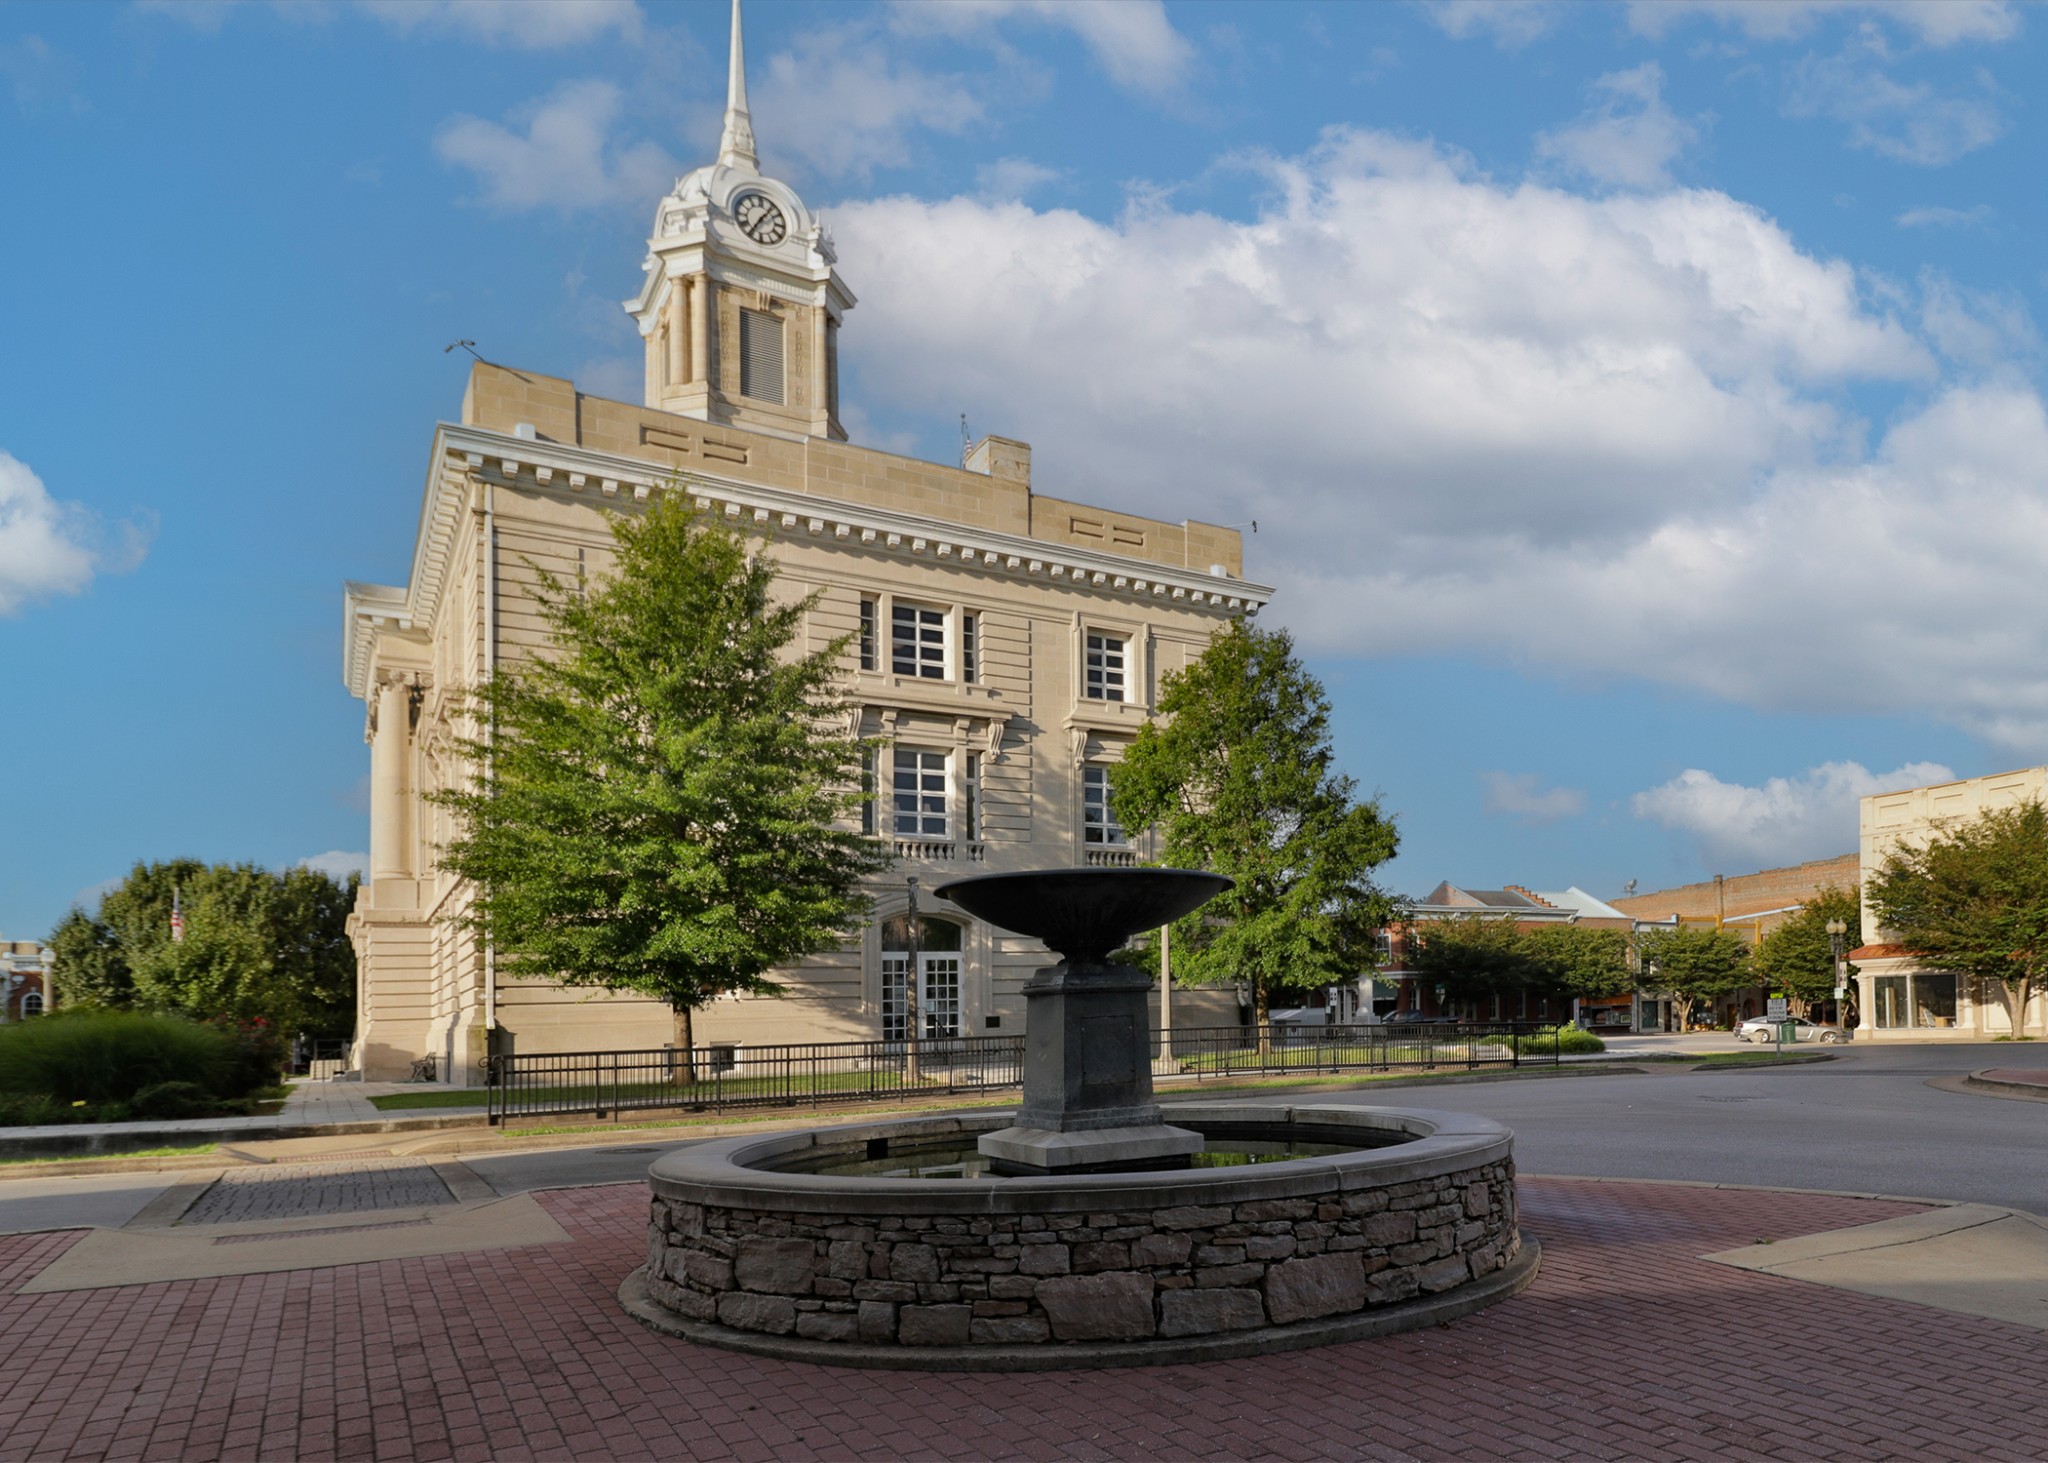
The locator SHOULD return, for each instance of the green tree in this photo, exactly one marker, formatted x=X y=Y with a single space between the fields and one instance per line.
x=1470 y=958
x=259 y=944
x=1578 y=960
x=662 y=793
x=1238 y=778
x=1695 y=963
x=1975 y=901
x=1798 y=957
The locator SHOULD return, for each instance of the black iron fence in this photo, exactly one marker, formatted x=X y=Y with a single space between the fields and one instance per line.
x=1376 y=1047
x=720 y=1077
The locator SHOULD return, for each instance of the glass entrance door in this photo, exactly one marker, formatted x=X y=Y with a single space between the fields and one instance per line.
x=938 y=986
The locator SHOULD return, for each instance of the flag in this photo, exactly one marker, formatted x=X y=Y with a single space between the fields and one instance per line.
x=177 y=918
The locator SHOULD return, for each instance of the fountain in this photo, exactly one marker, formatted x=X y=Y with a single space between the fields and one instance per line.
x=1082 y=1229
x=1087 y=1078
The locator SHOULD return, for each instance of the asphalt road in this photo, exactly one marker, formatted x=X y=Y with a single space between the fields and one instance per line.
x=1866 y=1122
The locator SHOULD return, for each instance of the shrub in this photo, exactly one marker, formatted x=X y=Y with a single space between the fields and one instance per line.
x=173 y=1100
x=102 y=1057
x=1566 y=1041
x=256 y=1059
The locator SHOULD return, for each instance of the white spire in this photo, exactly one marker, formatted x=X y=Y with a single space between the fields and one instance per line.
x=736 y=147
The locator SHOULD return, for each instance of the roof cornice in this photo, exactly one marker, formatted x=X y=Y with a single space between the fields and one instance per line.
x=504 y=460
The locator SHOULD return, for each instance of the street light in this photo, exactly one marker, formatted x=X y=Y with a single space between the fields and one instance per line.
x=1836 y=930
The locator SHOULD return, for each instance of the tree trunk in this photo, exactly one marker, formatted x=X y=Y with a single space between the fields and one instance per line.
x=686 y=1045
x=1262 y=1017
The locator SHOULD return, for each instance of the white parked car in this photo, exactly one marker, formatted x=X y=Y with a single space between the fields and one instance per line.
x=1763 y=1030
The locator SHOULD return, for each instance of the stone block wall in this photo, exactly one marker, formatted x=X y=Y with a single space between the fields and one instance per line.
x=1176 y=1271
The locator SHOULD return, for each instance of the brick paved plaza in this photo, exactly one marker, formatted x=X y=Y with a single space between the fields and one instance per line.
x=1629 y=1346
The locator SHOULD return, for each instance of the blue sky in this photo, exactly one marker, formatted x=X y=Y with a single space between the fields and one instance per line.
x=1641 y=405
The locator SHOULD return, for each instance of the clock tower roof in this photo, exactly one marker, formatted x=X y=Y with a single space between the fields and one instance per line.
x=741 y=304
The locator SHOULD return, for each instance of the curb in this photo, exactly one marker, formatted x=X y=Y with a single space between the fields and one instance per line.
x=1977 y=1081
x=1411 y=1315
x=1765 y=1064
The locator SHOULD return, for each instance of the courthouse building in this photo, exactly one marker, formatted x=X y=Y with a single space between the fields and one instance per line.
x=1007 y=643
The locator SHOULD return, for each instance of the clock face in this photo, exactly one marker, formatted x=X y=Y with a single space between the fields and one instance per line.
x=761 y=219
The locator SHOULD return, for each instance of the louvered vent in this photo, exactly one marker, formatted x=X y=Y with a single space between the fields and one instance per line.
x=760 y=356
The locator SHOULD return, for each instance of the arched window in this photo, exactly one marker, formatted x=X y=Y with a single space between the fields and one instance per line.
x=32 y=1004
x=938 y=958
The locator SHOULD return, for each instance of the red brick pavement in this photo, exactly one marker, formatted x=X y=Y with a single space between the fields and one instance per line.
x=1627 y=1347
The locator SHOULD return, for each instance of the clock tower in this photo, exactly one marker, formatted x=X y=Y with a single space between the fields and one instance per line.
x=741 y=306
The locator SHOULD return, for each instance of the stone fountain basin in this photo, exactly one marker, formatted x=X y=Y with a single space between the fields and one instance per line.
x=1100 y=1269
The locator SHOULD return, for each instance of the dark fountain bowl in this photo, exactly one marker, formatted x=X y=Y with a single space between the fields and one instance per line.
x=1084 y=914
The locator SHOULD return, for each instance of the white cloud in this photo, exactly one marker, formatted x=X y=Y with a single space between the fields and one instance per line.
x=1012 y=178
x=48 y=547
x=565 y=159
x=1511 y=23
x=1523 y=797
x=1907 y=122
x=1597 y=437
x=843 y=103
x=533 y=25
x=1132 y=40
x=1932 y=22
x=1629 y=137
x=40 y=77
x=1786 y=820
x=338 y=865
x=1938 y=217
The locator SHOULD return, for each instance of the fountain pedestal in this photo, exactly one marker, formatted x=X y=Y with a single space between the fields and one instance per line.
x=1088 y=1079
x=1087 y=1055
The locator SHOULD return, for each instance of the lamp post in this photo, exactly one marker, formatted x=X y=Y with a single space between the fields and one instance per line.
x=1836 y=930
x=913 y=1003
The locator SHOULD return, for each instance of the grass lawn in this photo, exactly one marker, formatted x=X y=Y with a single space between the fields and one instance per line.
x=884 y=1085
x=193 y=1151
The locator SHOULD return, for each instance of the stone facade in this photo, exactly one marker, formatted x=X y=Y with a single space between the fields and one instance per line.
x=1899 y=996
x=1168 y=1272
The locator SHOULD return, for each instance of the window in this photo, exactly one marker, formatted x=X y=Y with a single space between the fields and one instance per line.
x=1105 y=680
x=867 y=633
x=920 y=794
x=1924 y=999
x=867 y=792
x=917 y=641
x=1098 y=823
x=32 y=1004
x=760 y=356
x=970 y=649
x=970 y=790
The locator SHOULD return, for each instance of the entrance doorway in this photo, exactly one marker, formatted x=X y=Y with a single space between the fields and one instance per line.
x=938 y=988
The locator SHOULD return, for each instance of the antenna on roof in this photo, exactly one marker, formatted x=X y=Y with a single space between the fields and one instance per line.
x=1251 y=523
x=463 y=345
x=965 y=441
x=1628 y=888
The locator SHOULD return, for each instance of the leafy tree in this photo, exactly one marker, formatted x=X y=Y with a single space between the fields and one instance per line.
x=1695 y=963
x=1975 y=901
x=1578 y=960
x=1470 y=957
x=662 y=794
x=259 y=945
x=1238 y=778
x=1798 y=957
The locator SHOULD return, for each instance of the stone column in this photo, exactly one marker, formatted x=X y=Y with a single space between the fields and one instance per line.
x=700 y=345
x=676 y=360
x=391 y=780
